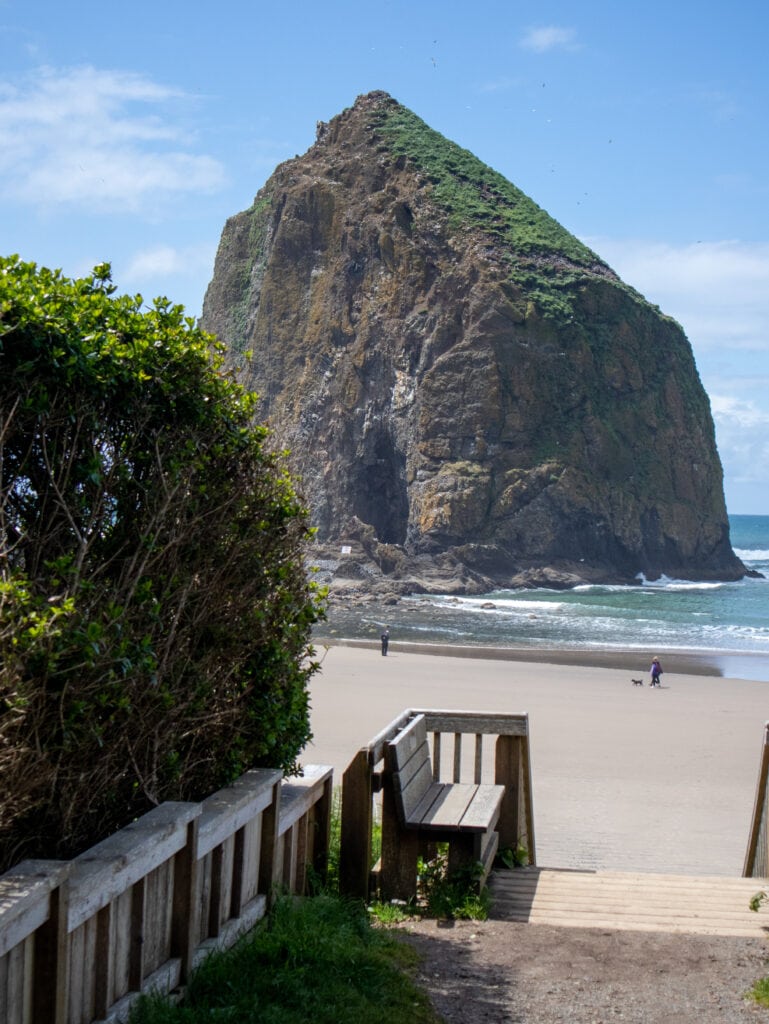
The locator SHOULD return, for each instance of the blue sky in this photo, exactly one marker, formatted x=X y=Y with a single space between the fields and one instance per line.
x=130 y=133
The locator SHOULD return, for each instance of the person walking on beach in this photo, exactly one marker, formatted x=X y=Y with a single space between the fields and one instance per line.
x=656 y=672
x=385 y=638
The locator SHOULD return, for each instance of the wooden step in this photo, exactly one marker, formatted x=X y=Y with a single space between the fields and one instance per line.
x=630 y=901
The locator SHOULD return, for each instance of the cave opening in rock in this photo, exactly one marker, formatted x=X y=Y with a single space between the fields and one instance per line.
x=380 y=499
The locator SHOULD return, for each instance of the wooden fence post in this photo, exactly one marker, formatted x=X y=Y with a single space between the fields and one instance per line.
x=50 y=985
x=270 y=862
x=507 y=773
x=185 y=914
x=357 y=821
x=322 y=830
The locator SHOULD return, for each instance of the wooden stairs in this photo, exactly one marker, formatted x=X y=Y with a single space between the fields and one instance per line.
x=628 y=901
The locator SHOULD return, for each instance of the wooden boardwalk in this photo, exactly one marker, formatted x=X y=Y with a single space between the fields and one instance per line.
x=629 y=901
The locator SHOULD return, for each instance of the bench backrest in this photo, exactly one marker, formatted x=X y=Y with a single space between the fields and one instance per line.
x=407 y=761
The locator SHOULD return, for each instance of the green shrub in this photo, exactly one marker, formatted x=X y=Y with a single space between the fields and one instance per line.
x=155 y=614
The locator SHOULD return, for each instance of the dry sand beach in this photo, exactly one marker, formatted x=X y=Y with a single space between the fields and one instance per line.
x=624 y=777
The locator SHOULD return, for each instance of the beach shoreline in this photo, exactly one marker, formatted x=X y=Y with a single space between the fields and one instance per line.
x=746 y=665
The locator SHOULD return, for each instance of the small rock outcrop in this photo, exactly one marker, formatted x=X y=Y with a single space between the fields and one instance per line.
x=471 y=397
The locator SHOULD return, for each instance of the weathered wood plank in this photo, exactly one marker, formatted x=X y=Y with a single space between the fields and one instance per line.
x=231 y=808
x=483 y=810
x=298 y=795
x=253 y=912
x=416 y=773
x=16 y=985
x=185 y=910
x=136 y=956
x=403 y=747
x=114 y=865
x=436 y=755
x=478 y=757
x=377 y=745
x=411 y=790
x=76 y=980
x=474 y=722
x=457 y=772
x=626 y=901
x=448 y=807
x=357 y=822
x=104 y=980
x=4 y=1015
x=252 y=841
x=24 y=898
x=269 y=857
x=165 y=979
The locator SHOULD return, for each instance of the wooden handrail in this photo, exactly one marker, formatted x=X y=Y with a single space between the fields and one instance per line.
x=80 y=940
x=757 y=854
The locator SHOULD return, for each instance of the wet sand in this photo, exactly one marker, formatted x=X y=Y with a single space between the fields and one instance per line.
x=624 y=777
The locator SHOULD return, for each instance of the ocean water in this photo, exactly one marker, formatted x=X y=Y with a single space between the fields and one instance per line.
x=727 y=621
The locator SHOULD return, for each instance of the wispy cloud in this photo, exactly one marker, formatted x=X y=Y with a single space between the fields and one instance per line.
x=105 y=139
x=549 y=37
x=743 y=439
x=497 y=85
x=718 y=291
x=167 y=261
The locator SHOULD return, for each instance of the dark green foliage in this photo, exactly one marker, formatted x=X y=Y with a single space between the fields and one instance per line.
x=154 y=610
x=315 y=961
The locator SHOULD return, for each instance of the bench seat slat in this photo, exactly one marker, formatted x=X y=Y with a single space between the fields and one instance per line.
x=444 y=805
x=483 y=811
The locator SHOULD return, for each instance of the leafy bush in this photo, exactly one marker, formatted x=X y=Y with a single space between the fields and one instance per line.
x=155 y=613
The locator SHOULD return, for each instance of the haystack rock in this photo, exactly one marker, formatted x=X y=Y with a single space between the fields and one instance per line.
x=472 y=398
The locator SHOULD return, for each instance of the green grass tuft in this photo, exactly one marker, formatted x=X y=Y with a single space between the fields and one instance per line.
x=314 y=960
x=759 y=993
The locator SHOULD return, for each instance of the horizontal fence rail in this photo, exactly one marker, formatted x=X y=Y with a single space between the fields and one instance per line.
x=466 y=746
x=80 y=940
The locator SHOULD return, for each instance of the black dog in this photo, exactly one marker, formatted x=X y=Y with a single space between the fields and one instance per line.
x=637 y=682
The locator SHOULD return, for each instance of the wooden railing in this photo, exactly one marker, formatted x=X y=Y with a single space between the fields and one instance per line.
x=454 y=760
x=80 y=940
x=757 y=855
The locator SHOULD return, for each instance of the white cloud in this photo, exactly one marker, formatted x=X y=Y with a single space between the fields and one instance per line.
x=167 y=261
x=742 y=429
x=503 y=84
x=718 y=291
x=549 y=37
x=102 y=139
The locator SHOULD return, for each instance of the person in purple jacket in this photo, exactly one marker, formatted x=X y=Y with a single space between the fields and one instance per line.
x=656 y=671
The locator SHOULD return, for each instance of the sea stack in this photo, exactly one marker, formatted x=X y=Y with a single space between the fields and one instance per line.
x=471 y=397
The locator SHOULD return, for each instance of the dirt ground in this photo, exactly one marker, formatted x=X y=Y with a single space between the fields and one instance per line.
x=490 y=971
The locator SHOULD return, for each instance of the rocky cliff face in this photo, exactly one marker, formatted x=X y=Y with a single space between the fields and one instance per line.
x=470 y=395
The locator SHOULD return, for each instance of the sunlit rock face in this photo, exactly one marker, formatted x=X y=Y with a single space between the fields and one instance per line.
x=471 y=397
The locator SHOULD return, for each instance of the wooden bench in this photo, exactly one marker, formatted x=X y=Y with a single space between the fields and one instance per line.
x=464 y=815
